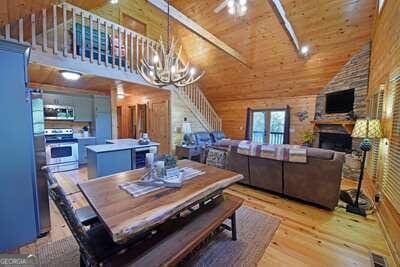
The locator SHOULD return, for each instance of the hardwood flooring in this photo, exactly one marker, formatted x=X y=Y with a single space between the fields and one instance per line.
x=307 y=236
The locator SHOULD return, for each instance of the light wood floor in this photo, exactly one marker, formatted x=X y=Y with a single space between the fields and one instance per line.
x=307 y=236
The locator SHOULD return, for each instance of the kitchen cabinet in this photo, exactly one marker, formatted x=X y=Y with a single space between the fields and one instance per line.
x=18 y=203
x=103 y=130
x=82 y=144
x=58 y=99
x=83 y=108
x=102 y=104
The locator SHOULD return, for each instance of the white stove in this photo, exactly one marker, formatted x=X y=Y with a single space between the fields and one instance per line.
x=61 y=150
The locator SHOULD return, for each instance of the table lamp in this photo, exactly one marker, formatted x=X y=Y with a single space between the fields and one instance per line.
x=186 y=130
x=366 y=129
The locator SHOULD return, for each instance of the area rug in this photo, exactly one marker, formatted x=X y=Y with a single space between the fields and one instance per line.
x=255 y=232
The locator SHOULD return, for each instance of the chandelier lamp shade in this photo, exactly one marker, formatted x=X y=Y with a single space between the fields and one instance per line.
x=163 y=66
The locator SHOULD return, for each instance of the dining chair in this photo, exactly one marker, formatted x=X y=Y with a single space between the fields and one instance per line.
x=95 y=244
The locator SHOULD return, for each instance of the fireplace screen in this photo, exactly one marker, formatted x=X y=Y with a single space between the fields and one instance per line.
x=336 y=141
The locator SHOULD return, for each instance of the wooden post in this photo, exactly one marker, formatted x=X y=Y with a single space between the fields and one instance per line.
x=91 y=37
x=55 y=35
x=33 y=28
x=126 y=50
x=112 y=46
x=99 y=41
x=65 y=31
x=119 y=48
x=7 y=31
x=73 y=33
x=44 y=45
x=83 y=46
x=21 y=30
x=131 y=61
x=106 y=34
x=114 y=117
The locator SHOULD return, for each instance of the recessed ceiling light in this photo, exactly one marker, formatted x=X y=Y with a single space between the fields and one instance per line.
x=70 y=75
x=114 y=2
x=231 y=3
x=242 y=2
x=304 y=50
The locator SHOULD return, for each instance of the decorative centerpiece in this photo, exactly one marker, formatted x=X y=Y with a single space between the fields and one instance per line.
x=163 y=172
x=144 y=140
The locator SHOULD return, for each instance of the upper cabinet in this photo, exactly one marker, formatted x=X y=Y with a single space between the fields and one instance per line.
x=83 y=108
x=58 y=99
x=102 y=104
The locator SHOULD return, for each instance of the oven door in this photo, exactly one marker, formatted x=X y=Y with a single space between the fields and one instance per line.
x=61 y=152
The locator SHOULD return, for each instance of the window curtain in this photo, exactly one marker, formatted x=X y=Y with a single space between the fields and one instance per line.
x=247 y=134
x=286 y=135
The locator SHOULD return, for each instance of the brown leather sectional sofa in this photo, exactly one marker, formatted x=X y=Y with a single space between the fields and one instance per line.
x=317 y=181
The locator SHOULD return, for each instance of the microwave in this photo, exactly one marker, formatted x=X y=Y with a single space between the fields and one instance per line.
x=54 y=112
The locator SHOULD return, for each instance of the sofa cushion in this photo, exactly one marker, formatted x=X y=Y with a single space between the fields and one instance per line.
x=217 y=136
x=320 y=153
x=202 y=138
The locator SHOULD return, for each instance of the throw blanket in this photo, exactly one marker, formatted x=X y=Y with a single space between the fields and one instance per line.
x=247 y=148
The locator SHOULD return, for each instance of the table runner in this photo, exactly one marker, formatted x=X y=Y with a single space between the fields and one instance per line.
x=136 y=189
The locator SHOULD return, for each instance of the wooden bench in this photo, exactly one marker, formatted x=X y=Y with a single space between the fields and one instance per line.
x=177 y=238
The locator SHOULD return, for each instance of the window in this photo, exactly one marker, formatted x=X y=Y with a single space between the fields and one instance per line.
x=391 y=177
x=268 y=126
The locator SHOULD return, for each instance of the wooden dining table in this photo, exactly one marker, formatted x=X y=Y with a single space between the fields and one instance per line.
x=125 y=216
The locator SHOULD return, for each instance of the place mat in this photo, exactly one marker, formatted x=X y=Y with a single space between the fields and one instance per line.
x=136 y=189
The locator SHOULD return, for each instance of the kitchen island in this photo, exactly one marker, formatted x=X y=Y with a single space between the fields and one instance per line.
x=118 y=155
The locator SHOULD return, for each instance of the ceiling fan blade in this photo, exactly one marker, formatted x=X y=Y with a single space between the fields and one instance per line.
x=221 y=6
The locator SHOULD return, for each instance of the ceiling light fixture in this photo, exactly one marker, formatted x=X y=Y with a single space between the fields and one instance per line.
x=237 y=7
x=304 y=50
x=162 y=66
x=70 y=75
x=114 y=2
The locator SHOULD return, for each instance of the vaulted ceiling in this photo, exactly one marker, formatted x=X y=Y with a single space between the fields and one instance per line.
x=334 y=30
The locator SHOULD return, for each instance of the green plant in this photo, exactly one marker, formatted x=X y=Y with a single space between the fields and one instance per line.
x=308 y=137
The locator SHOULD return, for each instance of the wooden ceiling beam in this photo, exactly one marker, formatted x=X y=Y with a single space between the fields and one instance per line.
x=281 y=14
x=199 y=30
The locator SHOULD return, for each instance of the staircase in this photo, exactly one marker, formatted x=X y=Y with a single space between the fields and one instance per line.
x=68 y=37
x=197 y=102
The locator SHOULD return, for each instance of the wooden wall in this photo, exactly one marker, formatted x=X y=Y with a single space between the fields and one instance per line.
x=385 y=61
x=233 y=114
x=140 y=10
x=137 y=94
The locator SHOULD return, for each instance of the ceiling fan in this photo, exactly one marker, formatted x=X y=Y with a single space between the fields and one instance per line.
x=235 y=7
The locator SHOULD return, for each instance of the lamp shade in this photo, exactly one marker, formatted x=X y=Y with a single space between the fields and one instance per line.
x=365 y=128
x=186 y=128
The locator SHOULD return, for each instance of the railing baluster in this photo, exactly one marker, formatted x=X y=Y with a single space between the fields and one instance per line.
x=112 y=46
x=55 y=35
x=119 y=48
x=91 y=37
x=131 y=62
x=33 y=28
x=99 y=41
x=126 y=50
x=106 y=34
x=21 y=30
x=83 y=46
x=137 y=52
x=73 y=33
x=44 y=44
x=8 y=27
x=65 y=31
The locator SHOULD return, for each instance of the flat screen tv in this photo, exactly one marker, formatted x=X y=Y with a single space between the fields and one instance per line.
x=340 y=102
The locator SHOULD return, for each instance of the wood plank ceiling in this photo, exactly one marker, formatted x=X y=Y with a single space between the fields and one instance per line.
x=334 y=30
x=12 y=10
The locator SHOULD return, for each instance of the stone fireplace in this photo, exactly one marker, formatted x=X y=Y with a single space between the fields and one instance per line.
x=333 y=126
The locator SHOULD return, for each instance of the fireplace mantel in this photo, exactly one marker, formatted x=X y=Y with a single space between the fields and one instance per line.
x=348 y=125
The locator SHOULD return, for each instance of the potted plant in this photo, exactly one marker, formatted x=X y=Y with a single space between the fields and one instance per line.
x=308 y=138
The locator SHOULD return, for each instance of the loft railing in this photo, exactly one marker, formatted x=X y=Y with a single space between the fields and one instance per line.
x=194 y=97
x=68 y=32
x=72 y=32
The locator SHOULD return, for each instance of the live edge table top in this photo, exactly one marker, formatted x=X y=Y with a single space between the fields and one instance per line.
x=125 y=215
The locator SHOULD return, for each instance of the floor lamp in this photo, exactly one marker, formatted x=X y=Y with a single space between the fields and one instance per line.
x=366 y=129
